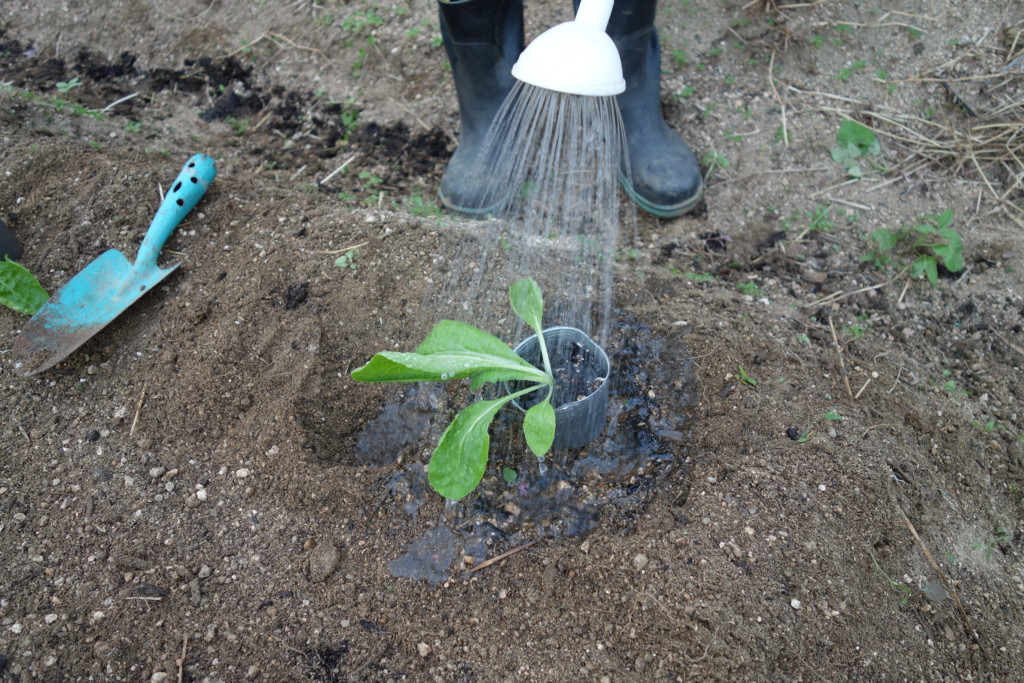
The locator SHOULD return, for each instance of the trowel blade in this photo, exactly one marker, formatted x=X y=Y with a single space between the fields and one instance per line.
x=82 y=307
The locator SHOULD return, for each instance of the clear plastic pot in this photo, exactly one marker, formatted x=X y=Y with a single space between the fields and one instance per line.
x=581 y=370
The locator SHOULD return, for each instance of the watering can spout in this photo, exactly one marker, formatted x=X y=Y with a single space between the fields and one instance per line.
x=576 y=57
x=595 y=13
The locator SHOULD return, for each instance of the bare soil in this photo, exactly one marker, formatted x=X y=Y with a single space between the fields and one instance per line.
x=833 y=473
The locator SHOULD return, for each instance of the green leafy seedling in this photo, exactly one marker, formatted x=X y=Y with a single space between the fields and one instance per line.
x=894 y=585
x=854 y=143
x=833 y=415
x=930 y=241
x=745 y=378
x=19 y=289
x=455 y=350
x=66 y=86
x=348 y=259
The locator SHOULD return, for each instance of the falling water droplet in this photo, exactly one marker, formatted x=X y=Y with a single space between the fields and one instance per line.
x=542 y=468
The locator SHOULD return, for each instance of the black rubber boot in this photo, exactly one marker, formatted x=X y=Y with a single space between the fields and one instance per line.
x=665 y=177
x=483 y=39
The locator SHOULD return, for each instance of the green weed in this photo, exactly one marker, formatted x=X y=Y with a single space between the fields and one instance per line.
x=348 y=259
x=894 y=585
x=745 y=378
x=991 y=544
x=855 y=143
x=67 y=86
x=418 y=206
x=361 y=20
x=750 y=289
x=712 y=161
x=929 y=241
x=237 y=126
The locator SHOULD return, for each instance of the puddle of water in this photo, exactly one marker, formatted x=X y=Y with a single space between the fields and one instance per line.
x=399 y=425
x=429 y=556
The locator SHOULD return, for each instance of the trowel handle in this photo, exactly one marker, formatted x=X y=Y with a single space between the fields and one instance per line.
x=188 y=188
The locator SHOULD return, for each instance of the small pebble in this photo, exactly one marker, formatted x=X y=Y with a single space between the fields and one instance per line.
x=201 y=494
x=640 y=562
x=159 y=677
x=423 y=649
x=323 y=561
x=157 y=472
x=795 y=604
x=242 y=473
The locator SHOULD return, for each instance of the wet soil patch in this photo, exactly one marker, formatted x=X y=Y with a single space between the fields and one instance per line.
x=652 y=398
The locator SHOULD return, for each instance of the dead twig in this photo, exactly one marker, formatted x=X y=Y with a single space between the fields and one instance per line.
x=499 y=558
x=1009 y=343
x=839 y=353
x=706 y=648
x=109 y=107
x=181 y=662
x=968 y=628
x=339 y=169
x=342 y=251
x=865 y=386
x=839 y=296
x=138 y=409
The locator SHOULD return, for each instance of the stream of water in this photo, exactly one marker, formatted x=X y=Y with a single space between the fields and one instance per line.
x=554 y=213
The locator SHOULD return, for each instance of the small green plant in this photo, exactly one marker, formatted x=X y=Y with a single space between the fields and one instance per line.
x=67 y=86
x=819 y=218
x=134 y=127
x=745 y=378
x=930 y=241
x=712 y=161
x=369 y=178
x=894 y=585
x=361 y=20
x=991 y=544
x=699 y=277
x=833 y=415
x=455 y=350
x=509 y=475
x=750 y=289
x=238 y=126
x=19 y=289
x=349 y=122
x=348 y=259
x=855 y=143
x=418 y=206
x=854 y=331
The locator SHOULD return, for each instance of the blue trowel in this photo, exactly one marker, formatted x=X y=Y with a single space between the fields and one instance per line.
x=109 y=284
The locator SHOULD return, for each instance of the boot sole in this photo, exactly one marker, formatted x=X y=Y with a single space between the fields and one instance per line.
x=662 y=210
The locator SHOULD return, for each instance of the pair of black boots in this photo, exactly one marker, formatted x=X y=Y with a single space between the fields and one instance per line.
x=483 y=39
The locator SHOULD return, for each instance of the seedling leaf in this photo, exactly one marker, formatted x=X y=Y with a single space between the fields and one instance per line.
x=857 y=138
x=19 y=289
x=539 y=427
x=460 y=459
x=527 y=302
